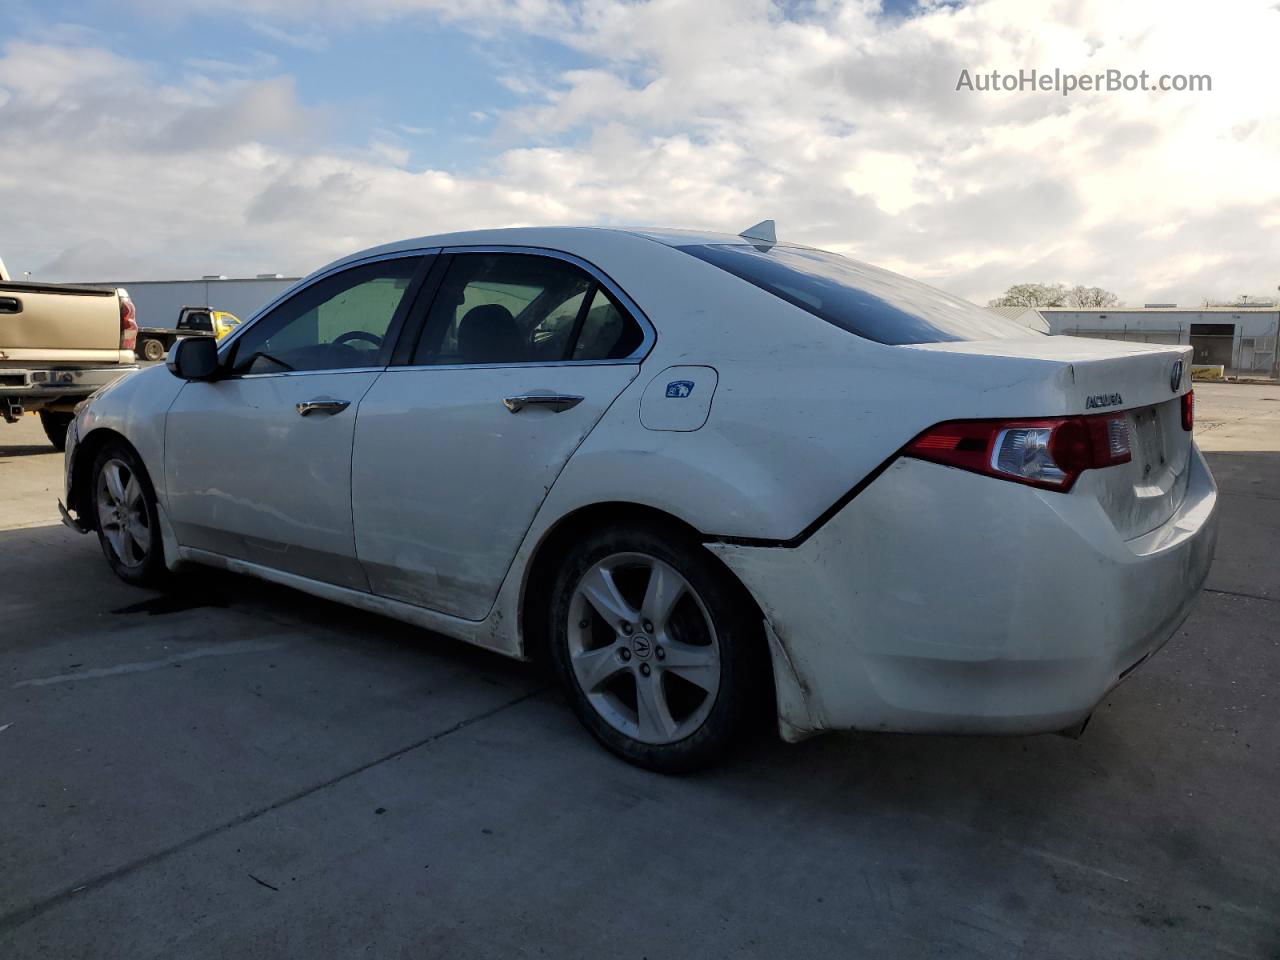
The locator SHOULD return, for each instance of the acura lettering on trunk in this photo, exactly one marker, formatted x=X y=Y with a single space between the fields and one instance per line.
x=1104 y=400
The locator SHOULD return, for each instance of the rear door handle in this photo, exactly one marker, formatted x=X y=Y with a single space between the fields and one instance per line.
x=322 y=405
x=10 y=305
x=555 y=402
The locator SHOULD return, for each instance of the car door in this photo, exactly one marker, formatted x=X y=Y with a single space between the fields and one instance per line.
x=519 y=356
x=258 y=461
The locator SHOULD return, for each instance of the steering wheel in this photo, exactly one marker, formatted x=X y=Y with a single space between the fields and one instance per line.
x=364 y=335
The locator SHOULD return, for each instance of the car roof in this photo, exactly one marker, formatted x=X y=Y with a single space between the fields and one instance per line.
x=677 y=237
x=571 y=239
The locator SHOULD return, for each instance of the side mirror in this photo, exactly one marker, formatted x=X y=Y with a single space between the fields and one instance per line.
x=193 y=358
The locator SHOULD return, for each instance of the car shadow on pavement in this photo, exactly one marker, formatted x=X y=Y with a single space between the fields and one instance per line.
x=47 y=557
x=324 y=621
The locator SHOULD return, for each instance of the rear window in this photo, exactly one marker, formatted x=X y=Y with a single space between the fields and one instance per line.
x=857 y=297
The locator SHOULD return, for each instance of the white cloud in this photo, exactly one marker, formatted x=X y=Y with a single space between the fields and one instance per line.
x=842 y=124
x=310 y=40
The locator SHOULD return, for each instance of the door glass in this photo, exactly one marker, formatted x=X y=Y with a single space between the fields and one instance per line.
x=607 y=332
x=552 y=334
x=504 y=308
x=341 y=322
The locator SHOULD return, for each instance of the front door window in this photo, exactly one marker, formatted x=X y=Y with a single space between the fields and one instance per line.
x=341 y=322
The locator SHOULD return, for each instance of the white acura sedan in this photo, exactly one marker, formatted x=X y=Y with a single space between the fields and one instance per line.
x=711 y=478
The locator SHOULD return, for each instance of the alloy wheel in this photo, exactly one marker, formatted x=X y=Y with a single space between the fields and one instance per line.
x=643 y=648
x=122 y=513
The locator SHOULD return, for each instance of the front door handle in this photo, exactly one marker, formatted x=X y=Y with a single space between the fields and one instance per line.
x=322 y=405
x=555 y=402
x=10 y=305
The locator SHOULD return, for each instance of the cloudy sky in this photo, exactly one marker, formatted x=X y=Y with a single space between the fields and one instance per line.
x=149 y=140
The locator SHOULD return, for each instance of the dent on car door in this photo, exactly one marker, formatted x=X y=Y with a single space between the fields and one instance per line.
x=258 y=461
x=519 y=357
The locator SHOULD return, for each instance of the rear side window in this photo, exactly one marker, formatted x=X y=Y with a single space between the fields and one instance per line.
x=606 y=333
x=522 y=308
x=857 y=297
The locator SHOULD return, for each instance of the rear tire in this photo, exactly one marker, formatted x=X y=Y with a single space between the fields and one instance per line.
x=657 y=648
x=152 y=349
x=127 y=517
x=55 y=427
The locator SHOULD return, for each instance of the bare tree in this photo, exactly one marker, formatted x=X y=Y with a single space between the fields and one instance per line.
x=1055 y=295
x=1032 y=295
x=1091 y=297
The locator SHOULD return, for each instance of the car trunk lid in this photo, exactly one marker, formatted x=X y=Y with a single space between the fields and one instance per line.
x=1063 y=376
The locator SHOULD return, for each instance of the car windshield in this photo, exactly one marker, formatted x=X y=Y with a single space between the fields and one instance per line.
x=858 y=297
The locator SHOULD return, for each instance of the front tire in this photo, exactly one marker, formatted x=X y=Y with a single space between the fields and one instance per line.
x=656 y=647
x=55 y=427
x=127 y=517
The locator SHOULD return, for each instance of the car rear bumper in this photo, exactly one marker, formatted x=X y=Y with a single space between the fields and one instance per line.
x=942 y=601
x=54 y=383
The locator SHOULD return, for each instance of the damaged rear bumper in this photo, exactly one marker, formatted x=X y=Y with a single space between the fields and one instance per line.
x=941 y=601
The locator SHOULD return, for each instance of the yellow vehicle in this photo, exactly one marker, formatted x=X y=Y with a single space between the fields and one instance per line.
x=153 y=342
x=224 y=323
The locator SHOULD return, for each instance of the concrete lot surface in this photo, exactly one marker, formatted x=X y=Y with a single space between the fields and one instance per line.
x=240 y=771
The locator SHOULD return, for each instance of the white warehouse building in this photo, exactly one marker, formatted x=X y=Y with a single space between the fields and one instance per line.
x=1243 y=340
x=160 y=301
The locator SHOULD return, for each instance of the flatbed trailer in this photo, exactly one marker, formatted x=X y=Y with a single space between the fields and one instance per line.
x=154 y=342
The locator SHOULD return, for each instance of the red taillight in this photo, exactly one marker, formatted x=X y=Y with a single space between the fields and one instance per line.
x=1188 y=410
x=1049 y=453
x=128 y=322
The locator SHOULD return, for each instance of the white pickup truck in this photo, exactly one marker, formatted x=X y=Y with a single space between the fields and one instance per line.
x=58 y=344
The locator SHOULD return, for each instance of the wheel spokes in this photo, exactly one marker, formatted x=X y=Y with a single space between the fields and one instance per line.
x=664 y=591
x=122 y=543
x=602 y=593
x=115 y=536
x=700 y=666
x=654 y=718
x=126 y=545
x=595 y=668
x=132 y=493
x=138 y=531
x=115 y=483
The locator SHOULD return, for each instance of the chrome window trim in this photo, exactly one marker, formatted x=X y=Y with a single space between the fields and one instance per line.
x=523 y=364
x=304 y=284
x=327 y=371
x=649 y=333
